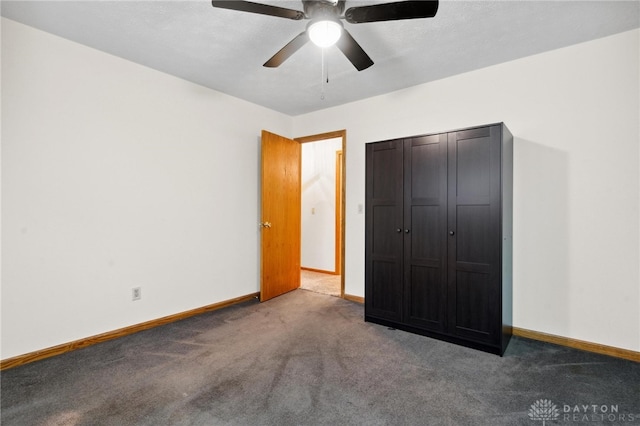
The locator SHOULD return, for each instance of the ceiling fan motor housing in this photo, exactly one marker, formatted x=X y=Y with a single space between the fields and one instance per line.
x=318 y=10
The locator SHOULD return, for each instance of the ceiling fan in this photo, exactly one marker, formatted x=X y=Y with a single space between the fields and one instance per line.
x=325 y=28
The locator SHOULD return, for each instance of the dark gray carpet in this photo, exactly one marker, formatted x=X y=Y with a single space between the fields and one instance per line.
x=310 y=359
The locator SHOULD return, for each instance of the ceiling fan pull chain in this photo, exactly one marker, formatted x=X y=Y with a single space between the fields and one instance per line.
x=327 y=81
x=322 y=76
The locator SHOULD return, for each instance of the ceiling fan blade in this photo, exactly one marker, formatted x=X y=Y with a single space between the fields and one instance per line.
x=392 y=11
x=262 y=9
x=352 y=50
x=288 y=50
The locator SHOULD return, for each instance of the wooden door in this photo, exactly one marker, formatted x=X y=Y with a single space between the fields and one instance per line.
x=474 y=234
x=384 y=230
x=425 y=228
x=280 y=240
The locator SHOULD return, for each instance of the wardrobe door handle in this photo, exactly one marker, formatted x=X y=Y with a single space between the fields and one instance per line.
x=398 y=230
x=406 y=231
x=451 y=233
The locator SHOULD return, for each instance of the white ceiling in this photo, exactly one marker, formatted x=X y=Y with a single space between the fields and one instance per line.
x=224 y=50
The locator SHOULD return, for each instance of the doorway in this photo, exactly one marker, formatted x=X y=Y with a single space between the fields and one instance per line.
x=322 y=213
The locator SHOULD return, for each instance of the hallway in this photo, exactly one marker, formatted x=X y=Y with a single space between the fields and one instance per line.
x=320 y=283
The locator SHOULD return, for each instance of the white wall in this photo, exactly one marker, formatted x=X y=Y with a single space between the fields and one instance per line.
x=319 y=204
x=574 y=113
x=116 y=176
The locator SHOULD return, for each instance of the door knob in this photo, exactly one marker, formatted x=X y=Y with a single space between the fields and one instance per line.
x=406 y=231
x=451 y=233
x=398 y=230
x=265 y=224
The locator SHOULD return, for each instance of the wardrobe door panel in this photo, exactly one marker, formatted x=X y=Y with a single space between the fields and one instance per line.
x=473 y=295
x=427 y=297
x=384 y=233
x=384 y=297
x=425 y=168
x=385 y=167
x=426 y=232
x=384 y=242
x=425 y=189
x=473 y=163
x=474 y=234
x=473 y=226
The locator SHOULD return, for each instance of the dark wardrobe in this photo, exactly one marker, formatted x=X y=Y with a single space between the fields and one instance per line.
x=439 y=235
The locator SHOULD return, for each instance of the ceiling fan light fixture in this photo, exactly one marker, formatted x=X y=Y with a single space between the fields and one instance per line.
x=324 y=33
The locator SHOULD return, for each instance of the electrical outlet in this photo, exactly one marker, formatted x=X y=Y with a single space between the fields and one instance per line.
x=136 y=293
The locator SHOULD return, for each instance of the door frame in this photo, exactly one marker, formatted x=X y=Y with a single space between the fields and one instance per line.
x=338 y=213
x=333 y=135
